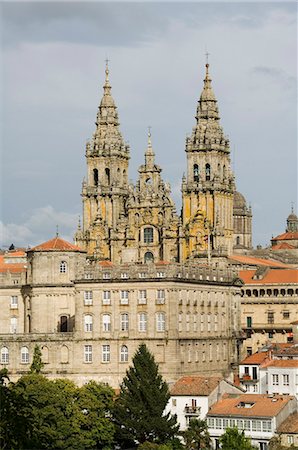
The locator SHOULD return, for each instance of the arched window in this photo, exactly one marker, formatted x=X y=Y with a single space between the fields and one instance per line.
x=63 y=326
x=118 y=175
x=4 y=355
x=106 y=322
x=124 y=176
x=238 y=240
x=107 y=172
x=160 y=321
x=24 y=355
x=124 y=322
x=95 y=177
x=64 y=354
x=148 y=235
x=124 y=353
x=224 y=172
x=208 y=172
x=63 y=267
x=148 y=257
x=88 y=325
x=196 y=175
x=45 y=354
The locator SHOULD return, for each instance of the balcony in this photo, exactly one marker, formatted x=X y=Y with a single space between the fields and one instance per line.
x=247 y=378
x=192 y=410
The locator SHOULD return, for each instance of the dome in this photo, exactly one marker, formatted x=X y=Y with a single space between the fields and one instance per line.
x=292 y=216
x=239 y=201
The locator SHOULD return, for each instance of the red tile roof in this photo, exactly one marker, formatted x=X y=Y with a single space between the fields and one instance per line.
x=281 y=363
x=6 y=266
x=290 y=425
x=283 y=246
x=262 y=405
x=195 y=385
x=289 y=235
x=256 y=358
x=106 y=263
x=56 y=244
x=252 y=261
x=278 y=276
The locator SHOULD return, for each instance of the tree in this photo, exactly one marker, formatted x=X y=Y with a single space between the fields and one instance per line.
x=232 y=439
x=37 y=364
x=4 y=408
x=197 y=435
x=139 y=410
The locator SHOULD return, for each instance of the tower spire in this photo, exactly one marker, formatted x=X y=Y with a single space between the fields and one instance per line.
x=149 y=153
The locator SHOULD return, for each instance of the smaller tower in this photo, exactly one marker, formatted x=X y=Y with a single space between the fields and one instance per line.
x=292 y=221
x=242 y=217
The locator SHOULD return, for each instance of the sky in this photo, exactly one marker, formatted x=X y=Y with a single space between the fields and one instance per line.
x=52 y=72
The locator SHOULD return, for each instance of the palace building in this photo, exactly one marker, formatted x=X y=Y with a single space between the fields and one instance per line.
x=138 y=271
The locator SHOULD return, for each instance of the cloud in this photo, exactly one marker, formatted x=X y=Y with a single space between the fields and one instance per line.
x=40 y=226
x=277 y=75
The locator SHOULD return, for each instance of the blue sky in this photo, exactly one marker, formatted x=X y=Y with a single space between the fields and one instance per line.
x=52 y=58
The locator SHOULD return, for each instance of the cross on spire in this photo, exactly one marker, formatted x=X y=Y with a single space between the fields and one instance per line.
x=207 y=57
x=149 y=131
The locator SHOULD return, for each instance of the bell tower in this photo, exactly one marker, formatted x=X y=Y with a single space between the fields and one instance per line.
x=207 y=189
x=105 y=190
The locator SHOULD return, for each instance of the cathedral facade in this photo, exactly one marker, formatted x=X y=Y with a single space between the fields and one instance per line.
x=138 y=272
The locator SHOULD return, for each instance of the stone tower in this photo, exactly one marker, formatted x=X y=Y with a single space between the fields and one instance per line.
x=242 y=216
x=105 y=190
x=207 y=190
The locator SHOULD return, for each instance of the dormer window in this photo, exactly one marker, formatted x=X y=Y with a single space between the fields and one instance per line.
x=63 y=267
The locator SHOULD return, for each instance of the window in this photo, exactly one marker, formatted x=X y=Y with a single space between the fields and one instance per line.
x=160 y=274
x=4 y=355
x=148 y=235
x=218 y=423
x=267 y=425
x=13 y=324
x=88 y=353
x=248 y=351
x=270 y=317
x=88 y=297
x=249 y=322
x=106 y=322
x=124 y=353
x=142 y=297
x=142 y=322
x=180 y=318
x=106 y=353
x=286 y=379
x=124 y=297
x=194 y=322
x=124 y=322
x=160 y=321
x=286 y=314
x=202 y=322
x=142 y=275
x=215 y=322
x=210 y=352
x=95 y=177
x=106 y=297
x=160 y=299
x=106 y=276
x=275 y=379
x=290 y=439
x=24 y=355
x=88 y=326
x=174 y=402
x=124 y=275
x=14 y=302
x=63 y=267
x=148 y=257
x=256 y=425
x=209 y=322
x=208 y=172
x=196 y=175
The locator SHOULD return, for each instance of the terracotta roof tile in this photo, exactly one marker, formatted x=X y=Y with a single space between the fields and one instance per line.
x=278 y=276
x=281 y=363
x=256 y=358
x=262 y=405
x=56 y=244
x=251 y=260
x=289 y=235
x=106 y=263
x=195 y=385
x=11 y=267
x=290 y=425
x=283 y=246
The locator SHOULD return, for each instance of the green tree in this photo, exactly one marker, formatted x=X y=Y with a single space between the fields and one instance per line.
x=139 y=410
x=197 y=435
x=37 y=364
x=4 y=408
x=232 y=439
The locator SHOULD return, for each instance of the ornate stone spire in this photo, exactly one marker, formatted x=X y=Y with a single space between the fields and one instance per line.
x=149 y=153
x=207 y=134
x=107 y=136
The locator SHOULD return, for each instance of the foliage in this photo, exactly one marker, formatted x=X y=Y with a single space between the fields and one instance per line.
x=197 y=435
x=275 y=444
x=4 y=408
x=37 y=364
x=232 y=439
x=174 y=444
x=139 y=410
x=45 y=414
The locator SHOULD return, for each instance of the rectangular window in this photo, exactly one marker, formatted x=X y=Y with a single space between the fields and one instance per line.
x=275 y=379
x=148 y=235
x=106 y=353
x=106 y=276
x=124 y=275
x=286 y=314
x=249 y=322
x=13 y=325
x=270 y=317
x=124 y=297
x=160 y=274
x=124 y=323
x=106 y=322
x=142 y=322
x=88 y=353
x=210 y=422
x=14 y=302
x=286 y=379
x=202 y=322
x=142 y=297
x=218 y=424
x=249 y=351
x=215 y=322
x=266 y=425
x=160 y=322
x=160 y=296
x=290 y=439
x=88 y=297
x=256 y=425
x=209 y=322
x=106 y=297
x=142 y=275
x=247 y=425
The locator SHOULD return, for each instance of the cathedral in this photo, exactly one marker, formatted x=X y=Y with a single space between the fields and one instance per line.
x=125 y=223
x=138 y=271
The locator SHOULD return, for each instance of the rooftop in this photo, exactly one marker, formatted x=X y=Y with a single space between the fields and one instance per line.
x=290 y=425
x=195 y=385
x=273 y=276
x=252 y=261
x=250 y=405
x=56 y=244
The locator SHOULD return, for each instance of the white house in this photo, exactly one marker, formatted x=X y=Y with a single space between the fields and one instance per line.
x=259 y=415
x=281 y=376
x=192 y=396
